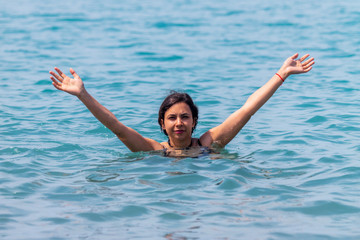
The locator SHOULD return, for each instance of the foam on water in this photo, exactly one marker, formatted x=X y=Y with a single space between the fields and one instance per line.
x=292 y=172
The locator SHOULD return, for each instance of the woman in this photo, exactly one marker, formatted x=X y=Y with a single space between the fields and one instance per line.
x=178 y=114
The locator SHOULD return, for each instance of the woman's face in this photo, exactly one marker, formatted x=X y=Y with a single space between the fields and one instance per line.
x=178 y=123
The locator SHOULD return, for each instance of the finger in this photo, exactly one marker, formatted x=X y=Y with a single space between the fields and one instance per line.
x=304 y=57
x=308 y=61
x=307 y=69
x=54 y=80
x=60 y=73
x=74 y=73
x=56 y=83
x=308 y=65
x=57 y=86
x=294 y=56
x=56 y=76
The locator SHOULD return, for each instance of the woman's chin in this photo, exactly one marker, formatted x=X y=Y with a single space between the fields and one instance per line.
x=181 y=136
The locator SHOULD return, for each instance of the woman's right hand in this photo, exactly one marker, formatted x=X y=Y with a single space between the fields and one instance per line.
x=74 y=86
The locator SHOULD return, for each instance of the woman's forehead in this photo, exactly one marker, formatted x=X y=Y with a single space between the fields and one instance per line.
x=179 y=108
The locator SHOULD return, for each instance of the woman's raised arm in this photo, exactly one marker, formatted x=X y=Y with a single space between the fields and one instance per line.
x=225 y=132
x=75 y=86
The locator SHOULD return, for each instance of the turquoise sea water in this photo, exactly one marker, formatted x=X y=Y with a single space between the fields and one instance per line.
x=292 y=172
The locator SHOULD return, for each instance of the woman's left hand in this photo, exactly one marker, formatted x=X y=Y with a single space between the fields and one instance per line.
x=293 y=66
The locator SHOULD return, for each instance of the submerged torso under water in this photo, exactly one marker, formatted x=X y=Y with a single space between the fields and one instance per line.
x=191 y=151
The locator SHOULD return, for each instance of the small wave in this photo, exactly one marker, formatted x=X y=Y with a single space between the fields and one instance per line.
x=165 y=25
x=324 y=208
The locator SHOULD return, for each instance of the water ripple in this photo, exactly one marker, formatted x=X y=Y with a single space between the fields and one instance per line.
x=62 y=174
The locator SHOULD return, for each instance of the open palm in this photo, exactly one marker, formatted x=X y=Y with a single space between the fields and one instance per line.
x=64 y=83
x=293 y=66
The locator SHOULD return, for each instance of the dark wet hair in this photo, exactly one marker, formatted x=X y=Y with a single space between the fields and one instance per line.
x=177 y=97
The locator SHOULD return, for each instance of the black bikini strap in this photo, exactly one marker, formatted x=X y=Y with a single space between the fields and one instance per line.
x=199 y=143
x=172 y=146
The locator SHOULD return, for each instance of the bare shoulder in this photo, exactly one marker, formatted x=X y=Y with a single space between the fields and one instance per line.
x=155 y=144
x=165 y=145
x=206 y=139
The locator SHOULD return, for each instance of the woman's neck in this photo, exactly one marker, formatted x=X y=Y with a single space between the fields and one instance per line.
x=180 y=145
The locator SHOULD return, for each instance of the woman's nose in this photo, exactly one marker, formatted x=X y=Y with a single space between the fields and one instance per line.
x=178 y=121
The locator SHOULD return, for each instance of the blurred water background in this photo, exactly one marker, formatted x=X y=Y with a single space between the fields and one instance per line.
x=292 y=173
